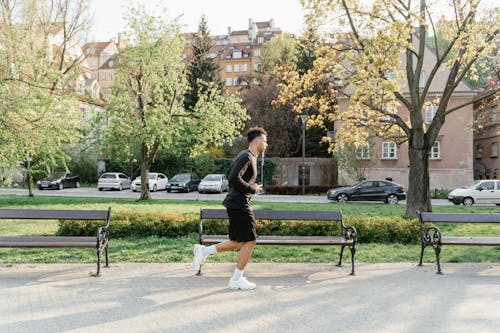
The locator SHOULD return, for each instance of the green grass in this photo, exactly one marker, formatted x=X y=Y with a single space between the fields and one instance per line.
x=152 y=249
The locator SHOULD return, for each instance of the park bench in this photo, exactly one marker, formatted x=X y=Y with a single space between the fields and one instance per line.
x=99 y=243
x=348 y=235
x=432 y=235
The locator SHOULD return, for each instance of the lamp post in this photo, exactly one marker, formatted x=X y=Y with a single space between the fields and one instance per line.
x=303 y=117
x=28 y=172
x=262 y=169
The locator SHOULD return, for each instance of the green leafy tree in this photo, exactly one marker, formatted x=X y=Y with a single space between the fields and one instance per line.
x=39 y=66
x=378 y=39
x=202 y=66
x=147 y=106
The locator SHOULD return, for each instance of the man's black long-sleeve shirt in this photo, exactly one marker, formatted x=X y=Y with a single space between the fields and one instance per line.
x=243 y=174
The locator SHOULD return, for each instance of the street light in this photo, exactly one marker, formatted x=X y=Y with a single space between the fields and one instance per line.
x=303 y=117
x=28 y=172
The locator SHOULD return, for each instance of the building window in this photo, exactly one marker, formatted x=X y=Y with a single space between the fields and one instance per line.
x=494 y=150
x=430 y=113
x=256 y=66
x=421 y=81
x=236 y=81
x=256 y=81
x=244 y=67
x=229 y=69
x=260 y=40
x=494 y=115
x=236 y=68
x=236 y=54
x=479 y=151
x=256 y=53
x=110 y=77
x=389 y=151
x=390 y=76
x=111 y=64
x=435 y=152
x=229 y=81
x=363 y=153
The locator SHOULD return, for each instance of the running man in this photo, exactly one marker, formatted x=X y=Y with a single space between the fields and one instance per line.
x=242 y=227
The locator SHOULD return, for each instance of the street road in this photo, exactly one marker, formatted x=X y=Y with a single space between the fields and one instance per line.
x=164 y=195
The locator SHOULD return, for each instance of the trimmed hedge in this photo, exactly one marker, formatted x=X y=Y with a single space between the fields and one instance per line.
x=370 y=229
x=297 y=189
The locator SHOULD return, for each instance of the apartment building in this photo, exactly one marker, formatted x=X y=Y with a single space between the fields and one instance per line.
x=487 y=133
x=102 y=61
x=239 y=52
x=451 y=158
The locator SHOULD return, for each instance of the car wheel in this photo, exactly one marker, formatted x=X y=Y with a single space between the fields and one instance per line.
x=168 y=191
x=392 y=199
x=342 y=198
x=77 y=185
x=40 y=188
x=100 y=188
x=61 y=186
x=468 y=201
x=154 y=188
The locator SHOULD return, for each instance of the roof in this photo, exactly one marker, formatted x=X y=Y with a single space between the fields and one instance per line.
x=97 y=47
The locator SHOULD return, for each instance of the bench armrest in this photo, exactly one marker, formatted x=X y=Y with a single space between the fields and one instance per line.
x=350 y=233
x=430 y=235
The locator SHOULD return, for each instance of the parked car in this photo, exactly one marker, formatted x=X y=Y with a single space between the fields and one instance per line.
x=215 y=182
x=185 y=182
x=480 y=192
x=59 y=180
x=157 y=182
x=369 y=190
x=113 y=181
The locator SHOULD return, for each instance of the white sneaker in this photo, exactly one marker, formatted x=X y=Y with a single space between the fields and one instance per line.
x=198 y=256
x=242 y=284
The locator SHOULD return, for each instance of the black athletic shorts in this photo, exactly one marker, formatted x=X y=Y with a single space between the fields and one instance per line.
x=242 y=226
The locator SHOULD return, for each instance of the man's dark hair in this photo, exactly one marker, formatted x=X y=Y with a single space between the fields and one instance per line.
x=255 y=132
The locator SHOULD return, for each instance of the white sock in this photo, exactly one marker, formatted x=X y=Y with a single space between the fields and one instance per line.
x=237 y=274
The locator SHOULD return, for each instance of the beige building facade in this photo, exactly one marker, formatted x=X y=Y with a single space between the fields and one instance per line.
x=451 y=158
x=239 y=52
x=487 y=133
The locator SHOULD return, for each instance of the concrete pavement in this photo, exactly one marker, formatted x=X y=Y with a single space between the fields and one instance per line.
x=288 y=298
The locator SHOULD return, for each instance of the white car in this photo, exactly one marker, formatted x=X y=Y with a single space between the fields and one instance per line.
x=214 y=183
x=113 y=181
x=485 y=191
x=157 y=182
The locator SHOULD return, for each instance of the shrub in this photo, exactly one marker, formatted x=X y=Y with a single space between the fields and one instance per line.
x=370 y=229
x=297 y=189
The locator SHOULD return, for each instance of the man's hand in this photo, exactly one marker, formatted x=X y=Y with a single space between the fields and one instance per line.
x=257 y=187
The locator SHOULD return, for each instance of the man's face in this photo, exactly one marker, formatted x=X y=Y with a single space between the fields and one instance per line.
x=262 y=143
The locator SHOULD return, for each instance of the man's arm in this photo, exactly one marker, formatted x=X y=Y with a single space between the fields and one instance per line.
x=235 y=178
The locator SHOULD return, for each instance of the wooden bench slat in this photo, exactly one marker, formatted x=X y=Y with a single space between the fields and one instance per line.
x=284 y=240
x=48 y=242
x=267 y=214
x=460 y=217
x=485 y=241
x=44 y=214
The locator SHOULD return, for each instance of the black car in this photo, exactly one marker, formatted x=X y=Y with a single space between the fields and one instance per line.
x=369 y=190
x=59 y=180
x=184 y=182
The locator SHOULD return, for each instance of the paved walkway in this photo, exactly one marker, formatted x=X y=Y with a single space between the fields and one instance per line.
x=289 y=298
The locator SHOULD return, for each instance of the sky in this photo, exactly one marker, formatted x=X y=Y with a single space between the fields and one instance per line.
x=287 y=15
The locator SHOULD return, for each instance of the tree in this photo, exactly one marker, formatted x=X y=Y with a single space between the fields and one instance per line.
x=379 y=42
x=39 y=68
x=355 y=160
x=202 y=68
x=147 y=106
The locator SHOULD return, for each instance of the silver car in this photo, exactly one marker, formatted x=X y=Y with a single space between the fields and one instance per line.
x=214 y=183
x=113 y=181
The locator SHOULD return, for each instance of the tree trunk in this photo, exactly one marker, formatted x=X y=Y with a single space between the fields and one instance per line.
x=418 y=196
x=145 y=166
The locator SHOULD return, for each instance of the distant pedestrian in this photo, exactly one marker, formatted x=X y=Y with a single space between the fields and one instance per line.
x=242 y=227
